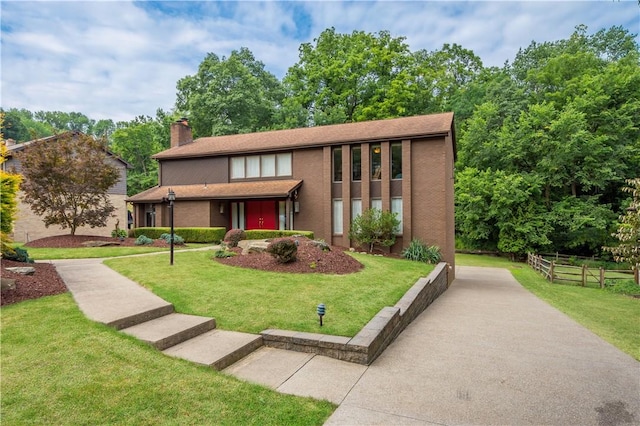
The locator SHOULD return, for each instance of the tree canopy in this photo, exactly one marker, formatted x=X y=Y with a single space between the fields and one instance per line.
x=65 y=181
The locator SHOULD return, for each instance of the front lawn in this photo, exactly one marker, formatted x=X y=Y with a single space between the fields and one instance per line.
x=613 y=317
x=251 y=301
x=38 y=253
x=60 y=368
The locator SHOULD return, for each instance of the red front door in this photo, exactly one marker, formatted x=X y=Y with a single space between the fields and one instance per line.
x=261 y=214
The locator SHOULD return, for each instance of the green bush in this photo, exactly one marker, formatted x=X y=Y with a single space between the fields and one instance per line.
x=190 y=235
x=16 y=254
x=119 y=233
x=266 y=234
x=628 y=287
x=220 y=254
x=234 y=236
x=143 y=240
x=284 y=250
x=177 y=239
x=373 y=227
x=420 y=252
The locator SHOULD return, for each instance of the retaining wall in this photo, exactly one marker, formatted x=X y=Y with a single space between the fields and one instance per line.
x=374 y=337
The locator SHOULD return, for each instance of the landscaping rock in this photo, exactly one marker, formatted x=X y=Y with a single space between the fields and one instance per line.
x=7 y=284
x=322 y=245
x=100 y=243
x=23 y=270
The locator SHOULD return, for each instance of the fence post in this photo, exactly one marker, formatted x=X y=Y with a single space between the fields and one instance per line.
x=601 y=277
x=584 y=275
x=551 y=271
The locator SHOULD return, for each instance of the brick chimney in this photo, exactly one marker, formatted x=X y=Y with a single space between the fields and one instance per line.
x=181 y=133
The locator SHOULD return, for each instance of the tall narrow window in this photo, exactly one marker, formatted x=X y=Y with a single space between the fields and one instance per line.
x=376 y=203
x=376 y=162
x=337 y=216
x=284 y=164
x=396 y=207
x=356 y=207
x=337 y=164
x=356 y=163
x=396 y=161
x=268 y=165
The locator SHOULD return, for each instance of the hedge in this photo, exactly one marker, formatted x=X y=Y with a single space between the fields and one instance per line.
x=190 y=235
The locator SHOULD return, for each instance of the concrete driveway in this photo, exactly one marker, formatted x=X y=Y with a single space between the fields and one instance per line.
x=489 y=352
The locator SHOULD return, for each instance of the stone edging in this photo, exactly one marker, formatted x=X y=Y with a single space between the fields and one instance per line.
x=374 y=337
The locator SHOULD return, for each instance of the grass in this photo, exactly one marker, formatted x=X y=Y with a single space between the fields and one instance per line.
x=97 y=252
x=252 y=301
x=60 y=368
x=613 y=317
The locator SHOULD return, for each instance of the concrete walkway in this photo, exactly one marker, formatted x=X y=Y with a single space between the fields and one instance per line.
x=486 y=352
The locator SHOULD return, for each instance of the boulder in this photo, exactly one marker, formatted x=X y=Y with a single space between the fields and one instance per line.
x=24 y=270
x=100 y=243
x=7 y=284
x=322 y=245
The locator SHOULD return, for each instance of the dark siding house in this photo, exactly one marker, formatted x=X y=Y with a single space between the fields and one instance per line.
x=316 y=178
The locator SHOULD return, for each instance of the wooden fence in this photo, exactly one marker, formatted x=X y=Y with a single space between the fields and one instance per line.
x=556 y=271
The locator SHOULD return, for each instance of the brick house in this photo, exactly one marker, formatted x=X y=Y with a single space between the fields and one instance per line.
x=315 y=178
x=29 y=226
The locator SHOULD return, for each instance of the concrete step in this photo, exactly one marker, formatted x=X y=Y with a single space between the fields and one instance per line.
x=170 y=330
x=128 y=316
x=216 y=348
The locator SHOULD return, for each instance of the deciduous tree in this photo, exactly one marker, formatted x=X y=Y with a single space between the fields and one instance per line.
x=66 y=181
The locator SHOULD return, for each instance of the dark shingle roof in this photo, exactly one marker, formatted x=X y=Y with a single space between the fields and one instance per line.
x=365 y=131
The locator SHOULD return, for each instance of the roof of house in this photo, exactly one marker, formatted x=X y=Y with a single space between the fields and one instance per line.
x=365 y=131
x=20 y=146
x=234 y=190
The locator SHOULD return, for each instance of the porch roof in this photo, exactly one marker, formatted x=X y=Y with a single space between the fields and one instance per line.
x=219 y=191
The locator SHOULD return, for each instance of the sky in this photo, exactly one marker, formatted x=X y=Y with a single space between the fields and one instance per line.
x=121 y=59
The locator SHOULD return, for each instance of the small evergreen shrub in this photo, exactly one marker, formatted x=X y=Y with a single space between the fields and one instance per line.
x=420 y=252
x=119 y=233
x=177 y=239
x=284 y=250
x=221 y=254
x=16 y=254
x=190 y=235
x=374 y=227
x=143 y=240
x=234 y=236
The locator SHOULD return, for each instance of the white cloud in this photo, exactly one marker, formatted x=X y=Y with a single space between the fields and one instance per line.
x=121 y=59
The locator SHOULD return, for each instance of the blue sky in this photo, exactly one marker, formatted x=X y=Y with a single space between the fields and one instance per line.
x=120 y=59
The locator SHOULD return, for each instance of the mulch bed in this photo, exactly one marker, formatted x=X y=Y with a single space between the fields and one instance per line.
x=310 y=259
x=44 y=282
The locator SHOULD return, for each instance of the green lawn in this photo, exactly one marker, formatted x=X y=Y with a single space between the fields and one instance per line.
x=251 y=301
x=97 y=252
x=614 y=317
x=60 y=368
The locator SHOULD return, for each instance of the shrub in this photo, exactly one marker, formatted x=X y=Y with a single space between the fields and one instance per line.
x=143 y=240
x=628 y=287
x=177 y=239
x=190 y=235
x=119 y=233
x=234 y=236
x=284 y=250
x=373 y=227
x=420 y=252
x=220 y=254
x=16 y=254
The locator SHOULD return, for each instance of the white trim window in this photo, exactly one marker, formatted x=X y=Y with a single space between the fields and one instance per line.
x=284 y=164
x=356 y=207
x=396 y=207
x=257 y=166
x=337 y=217
x=376 y=203
x=237 y=168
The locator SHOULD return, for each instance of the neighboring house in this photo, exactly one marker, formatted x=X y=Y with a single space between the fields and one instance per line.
x=316 y=178
x=29 y=226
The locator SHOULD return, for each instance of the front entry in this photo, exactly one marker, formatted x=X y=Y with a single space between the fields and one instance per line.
x=261 y=214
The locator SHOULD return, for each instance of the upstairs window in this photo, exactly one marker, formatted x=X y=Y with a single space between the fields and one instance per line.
x=396 y=161
x=376 y=162
x=257 y=166
x=337 y=164
x=356 y=163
